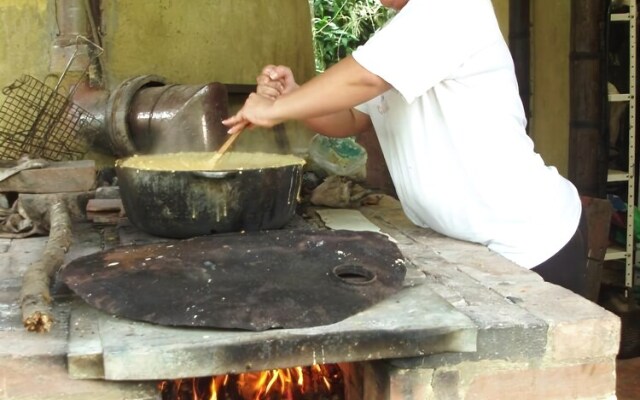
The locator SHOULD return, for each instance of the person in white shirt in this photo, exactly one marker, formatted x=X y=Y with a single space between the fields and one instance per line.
x=437 y=84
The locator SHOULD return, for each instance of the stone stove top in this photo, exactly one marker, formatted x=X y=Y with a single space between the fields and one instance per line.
x=414 y=322
x=528 y=331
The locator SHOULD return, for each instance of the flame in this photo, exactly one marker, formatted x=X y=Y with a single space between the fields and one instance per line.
x=283 y=383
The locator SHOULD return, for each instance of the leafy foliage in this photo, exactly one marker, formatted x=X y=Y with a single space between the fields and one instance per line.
x=340 y=26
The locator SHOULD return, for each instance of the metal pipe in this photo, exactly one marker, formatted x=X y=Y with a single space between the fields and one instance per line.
x=71 y=18
x=97 y=69
x=71 y=58
x=170 y=118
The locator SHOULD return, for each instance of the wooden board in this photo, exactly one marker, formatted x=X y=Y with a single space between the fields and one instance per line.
x=58 y=177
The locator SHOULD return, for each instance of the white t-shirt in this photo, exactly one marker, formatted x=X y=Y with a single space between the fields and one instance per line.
x=452 y=131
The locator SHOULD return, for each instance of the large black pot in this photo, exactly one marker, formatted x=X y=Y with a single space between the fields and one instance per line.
x=181 y=204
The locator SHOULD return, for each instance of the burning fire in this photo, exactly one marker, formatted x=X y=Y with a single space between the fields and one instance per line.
x=314 y=382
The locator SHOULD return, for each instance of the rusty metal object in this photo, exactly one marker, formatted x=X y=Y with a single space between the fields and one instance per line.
x=252 y=281
x=94 y=100
x=117 y=112
x=144 y=115
x=172 y=118
x=39 y=121
x=71 y=20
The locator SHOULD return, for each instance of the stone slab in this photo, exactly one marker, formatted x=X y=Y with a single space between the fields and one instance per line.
x=86 y=347
x=62 y=176
x=23 y=252
x=346 y=219
x=519 y=316
x=18 y=342
x=415 y=321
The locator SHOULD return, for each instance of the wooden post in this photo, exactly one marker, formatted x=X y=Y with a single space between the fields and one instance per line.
x=520 y=47
x=587 y=134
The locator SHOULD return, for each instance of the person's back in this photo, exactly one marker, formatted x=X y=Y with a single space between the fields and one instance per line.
x=453 y=133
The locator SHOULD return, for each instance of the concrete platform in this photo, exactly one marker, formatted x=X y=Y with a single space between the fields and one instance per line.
x=537 y=339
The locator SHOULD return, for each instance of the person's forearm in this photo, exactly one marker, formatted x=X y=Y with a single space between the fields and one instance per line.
x=325 y=101
x=339 y=124
x=340 y=88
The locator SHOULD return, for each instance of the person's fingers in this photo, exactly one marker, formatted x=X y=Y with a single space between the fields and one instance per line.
x=281 y=71
x=273 y=73
x=285 y=77
x=269 y=92
x=268 y=70
x=269 y=88
x=263 y=79
x=276 y=72
x=233 y=120
x=240 y=126
x=236 y=123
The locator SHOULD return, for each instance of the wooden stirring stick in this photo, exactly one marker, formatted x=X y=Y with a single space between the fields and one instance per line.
x=225 y=146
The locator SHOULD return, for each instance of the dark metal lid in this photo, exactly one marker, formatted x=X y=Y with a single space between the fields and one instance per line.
x=252 y=281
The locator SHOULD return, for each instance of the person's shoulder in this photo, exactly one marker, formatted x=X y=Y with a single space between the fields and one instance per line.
x=460 y=5
x=448 y=14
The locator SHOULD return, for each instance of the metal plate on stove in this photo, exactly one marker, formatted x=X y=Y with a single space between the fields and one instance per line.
x=252 y=281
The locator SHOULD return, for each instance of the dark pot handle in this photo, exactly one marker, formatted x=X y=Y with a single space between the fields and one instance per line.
x=214 y=174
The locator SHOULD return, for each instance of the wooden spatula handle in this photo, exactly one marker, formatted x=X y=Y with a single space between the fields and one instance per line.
x=225 y=146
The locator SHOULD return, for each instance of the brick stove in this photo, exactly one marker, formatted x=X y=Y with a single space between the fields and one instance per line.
x=472 y=326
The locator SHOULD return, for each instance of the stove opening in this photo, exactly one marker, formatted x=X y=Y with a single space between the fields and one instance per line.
x=316 y=382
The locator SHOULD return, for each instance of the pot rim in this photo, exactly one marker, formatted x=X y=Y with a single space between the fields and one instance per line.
x=299 y=161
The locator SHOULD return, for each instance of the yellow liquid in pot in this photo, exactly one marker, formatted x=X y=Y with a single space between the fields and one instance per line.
x=203 y=161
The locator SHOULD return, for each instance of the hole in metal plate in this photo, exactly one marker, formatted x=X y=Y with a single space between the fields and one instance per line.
x=354 y=274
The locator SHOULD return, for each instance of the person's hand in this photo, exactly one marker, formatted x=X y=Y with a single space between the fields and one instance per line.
x=275 y=80
x=256 y=111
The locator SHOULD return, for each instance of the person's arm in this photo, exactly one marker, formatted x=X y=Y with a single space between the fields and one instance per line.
x=330 y=96
x=340 y=124
x=275 y=81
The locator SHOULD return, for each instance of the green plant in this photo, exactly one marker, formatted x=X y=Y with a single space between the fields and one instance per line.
x=340 y=26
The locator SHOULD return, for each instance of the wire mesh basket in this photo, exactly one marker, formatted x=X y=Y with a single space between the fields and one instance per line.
x=36 y=120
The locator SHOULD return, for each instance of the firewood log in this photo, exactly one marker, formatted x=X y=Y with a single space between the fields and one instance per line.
x=35 y=298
